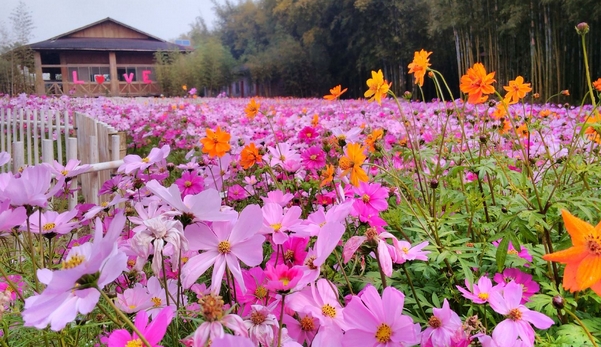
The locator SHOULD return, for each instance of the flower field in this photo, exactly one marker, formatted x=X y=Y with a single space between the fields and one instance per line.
x=316 y=222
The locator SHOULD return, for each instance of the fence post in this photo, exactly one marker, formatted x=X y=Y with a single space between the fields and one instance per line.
x=47 y=151
x=94 y=179
x=72 y=147
x=18 y=156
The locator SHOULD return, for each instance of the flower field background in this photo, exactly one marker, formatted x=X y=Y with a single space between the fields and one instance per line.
x=316 y=222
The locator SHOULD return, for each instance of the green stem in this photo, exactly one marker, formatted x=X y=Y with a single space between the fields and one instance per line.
x=421 y=309
x=588 y=73
x=382 y=275
x=125 y=319
x=281 y=321
x=348 y=283
x=588 y=333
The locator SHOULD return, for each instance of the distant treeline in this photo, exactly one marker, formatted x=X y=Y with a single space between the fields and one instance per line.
x=305 y=47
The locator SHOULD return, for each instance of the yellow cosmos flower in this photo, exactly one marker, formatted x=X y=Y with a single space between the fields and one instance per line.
x=378 y=87
x=335 y=93
x=351 y=163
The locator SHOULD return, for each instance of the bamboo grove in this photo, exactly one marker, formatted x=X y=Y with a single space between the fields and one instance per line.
x=301 y=47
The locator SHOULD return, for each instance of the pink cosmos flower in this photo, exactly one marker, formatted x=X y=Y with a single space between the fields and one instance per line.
x=226 y=243
x=215 y=320
x=508 y=303
x=304 y=329
x=17 y=281
x=529 y=286
x=75 y=289
x=523 y=253
x=4 y=158
x=134 y=299
x=236 y=193
x=480 y=292
x=158 y=295
x=165 y=236
x=444 y=327
x=293 y=252
x=308 y=135
x=190 y=183
x=321 y=301
x=314 y=158
x=11 y=217
x=318 y=219
x=373 y=321
x=282 y=278
x=282 y=154
x=256 y=291
x=404 y=251
x=133 y=162
x=278 y=197
x=279 y=223
x=152 y=332
x=262 y=325
x=51 y=222
x=32 y=187
x=372 y=196
x=95 y=209
x=232 y=341
x=72 y=168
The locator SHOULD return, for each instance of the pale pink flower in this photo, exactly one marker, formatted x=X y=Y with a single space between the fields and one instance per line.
x=51 y=222
x=404 y=251
x=225 y=243
x=321 y=301
x=11 y=217
x=262 y=325
x=72 y=168
x=279 y=223
x=133 y=162
x=4 y=158
x=373 y=321
x=158 y=296
x=232 y=341
x=480 y=292
x=32 y=188
x=518 y=317
x=134 y=299
x=278 y=197
x=304 y=329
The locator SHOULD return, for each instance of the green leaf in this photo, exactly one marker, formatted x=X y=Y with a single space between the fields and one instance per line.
x=469 y=275
x=501 y=254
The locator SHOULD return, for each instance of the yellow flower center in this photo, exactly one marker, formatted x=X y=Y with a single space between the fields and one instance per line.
x=365 y=198
x=134 y=343
x=276 y=227
x=434 y=322
x=156 y=302
x=48 y=226
x=104 y=204
x=146 y=160
x=73 y=261
x=512 y=251
x=64 y=172
x=593 y=243
x=328 y=310
x=515 y=314
x=285 y=281
x=257 y=318
x=289 y=255
x=224 y=247
x=131 y=307
x=282 y=157
x=345 y=163
x=260 y=292
x=483 y=296
x=307 y=323
x=383 y=333
x=405 y=250
x=187 y=184
x=309 y=262
x=313 y=156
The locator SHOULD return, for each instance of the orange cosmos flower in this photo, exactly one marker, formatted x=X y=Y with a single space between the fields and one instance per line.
x=591 y=132
x=506 y=126
x=597 y=85
x=371 y=139
x=327 y=176
x=250 y=156
x=378 y=87
x=522 y=130
x=351 y=163
x=252 y=109
x=477 y=84
x=315 y=120
x=516 y=90
x=419 y=66
x=583 y=259
x=216 y=144
x=335 y=93
x=185 y=87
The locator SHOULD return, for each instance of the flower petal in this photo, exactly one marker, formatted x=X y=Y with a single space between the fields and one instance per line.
x=589 y=271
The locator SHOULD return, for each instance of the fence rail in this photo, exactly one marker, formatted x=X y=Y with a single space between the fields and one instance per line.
x=36 y=136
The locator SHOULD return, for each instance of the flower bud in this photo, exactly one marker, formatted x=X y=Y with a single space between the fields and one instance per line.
x=434 y=183
x=558 y=302
x=582 y=28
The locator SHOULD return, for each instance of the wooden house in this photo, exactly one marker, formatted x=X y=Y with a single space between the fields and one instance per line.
x=105 y=58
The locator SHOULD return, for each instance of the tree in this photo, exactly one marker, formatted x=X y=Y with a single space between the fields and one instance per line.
x=22 y=23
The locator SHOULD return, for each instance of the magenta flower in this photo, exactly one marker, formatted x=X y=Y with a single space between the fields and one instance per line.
x=153 y=332
x=236 y=193
x=293 y=252
x=373 y=321
x=304 y=329
x=190 y=183
x=523 y=253
x=480 y=292
x=508 y=303
x=529 y=286
x=226 y=243
x=444 y=327
x=314 y=158
x=282 y=278
x=308 y=135
x=372 y=198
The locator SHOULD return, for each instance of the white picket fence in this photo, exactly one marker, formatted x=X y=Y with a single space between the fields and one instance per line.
x=36 y=136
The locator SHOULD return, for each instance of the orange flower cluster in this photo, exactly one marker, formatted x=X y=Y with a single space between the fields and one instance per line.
x=216 y=143
x=419 y=66
x=597 y=85
x=592 y=132
x=371 y=139
x=583 y=259
x=252 y=109
x=477 y=84
x=516 y=90
x=335 y=93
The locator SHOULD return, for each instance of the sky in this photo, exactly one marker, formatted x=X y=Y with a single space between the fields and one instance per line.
x=166 y=19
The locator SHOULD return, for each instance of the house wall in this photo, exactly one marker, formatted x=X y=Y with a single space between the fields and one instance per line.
x=85 y=57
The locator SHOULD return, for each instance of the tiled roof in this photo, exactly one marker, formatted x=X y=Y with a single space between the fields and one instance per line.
x=106 y=44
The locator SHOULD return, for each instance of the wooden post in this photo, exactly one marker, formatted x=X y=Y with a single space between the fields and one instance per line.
x=29 y=121
x=40 y=89
x=72 y=154
x=18 y=156
x=94 y=181
x=47 y=151
x=36 y=142
x=113 y=74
